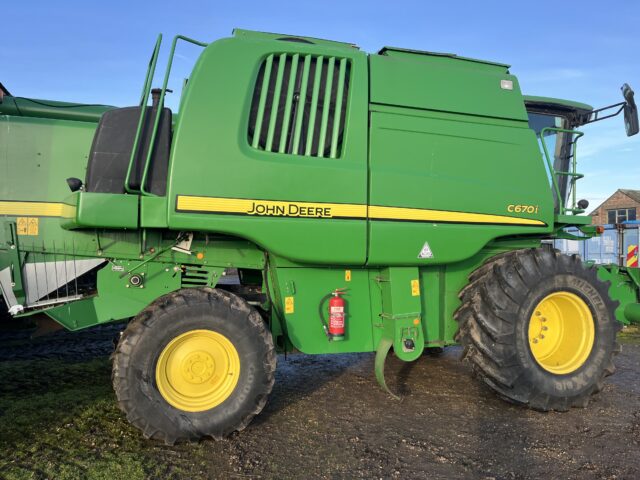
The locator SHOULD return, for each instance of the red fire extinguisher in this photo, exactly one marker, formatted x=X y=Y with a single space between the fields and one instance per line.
x=336 y=315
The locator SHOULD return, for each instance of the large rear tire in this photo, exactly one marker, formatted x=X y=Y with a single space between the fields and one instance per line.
x=539 y=328
x=195 y=363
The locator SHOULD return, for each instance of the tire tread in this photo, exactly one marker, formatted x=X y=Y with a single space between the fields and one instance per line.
x=146 y=320
x=487 y=316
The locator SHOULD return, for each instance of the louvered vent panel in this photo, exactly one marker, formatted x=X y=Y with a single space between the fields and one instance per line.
x=194 y=277
x=299 y=105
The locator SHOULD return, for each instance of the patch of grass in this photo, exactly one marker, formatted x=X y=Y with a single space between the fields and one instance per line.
x=630 y=334
x=60 y=420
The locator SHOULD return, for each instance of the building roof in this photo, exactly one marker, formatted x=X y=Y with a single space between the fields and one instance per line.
x=4 y=90
x=632 y=194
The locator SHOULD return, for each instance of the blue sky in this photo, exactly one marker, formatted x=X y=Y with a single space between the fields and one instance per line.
x=97 y=52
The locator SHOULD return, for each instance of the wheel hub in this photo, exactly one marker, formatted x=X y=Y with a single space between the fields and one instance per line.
x=198 y=367
x=561 y=332
x=197 y=370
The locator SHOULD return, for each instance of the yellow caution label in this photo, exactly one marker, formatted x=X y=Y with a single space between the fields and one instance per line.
x=415 y=288
x=288 y=305
x=27 y=226
x=33 y=226
x=347 y=275
x=22 y=225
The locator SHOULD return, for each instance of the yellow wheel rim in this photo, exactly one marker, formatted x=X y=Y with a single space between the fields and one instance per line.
x=197 y=370
x=561 y=332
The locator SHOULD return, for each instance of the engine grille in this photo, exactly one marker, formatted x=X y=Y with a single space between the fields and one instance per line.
x=299 y=105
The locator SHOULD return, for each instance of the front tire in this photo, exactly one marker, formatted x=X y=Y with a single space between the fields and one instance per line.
x=195 y=363
x=539 y=328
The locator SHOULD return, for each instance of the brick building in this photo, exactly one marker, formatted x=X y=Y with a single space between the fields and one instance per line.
x=623 y=205
x=3 y=92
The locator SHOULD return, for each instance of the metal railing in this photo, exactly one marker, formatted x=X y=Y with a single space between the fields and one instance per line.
x=573 y=174
x=144 y=100
x=611 y=247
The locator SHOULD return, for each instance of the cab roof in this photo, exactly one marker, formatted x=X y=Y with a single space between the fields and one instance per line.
x=392 y=50
x=535 y=102
x=387 y=50
x=238 y=32
x=557 y=103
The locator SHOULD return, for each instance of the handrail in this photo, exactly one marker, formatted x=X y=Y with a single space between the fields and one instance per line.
x=144 y=99
x=146 y=88
x=573 y=174
x=161 y=105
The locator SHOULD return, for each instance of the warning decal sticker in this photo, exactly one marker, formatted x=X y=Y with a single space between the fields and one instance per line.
x=426 y=251
x=27 y=226
x=288 y=305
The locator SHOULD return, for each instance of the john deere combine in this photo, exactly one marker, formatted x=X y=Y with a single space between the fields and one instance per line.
x=308 y=196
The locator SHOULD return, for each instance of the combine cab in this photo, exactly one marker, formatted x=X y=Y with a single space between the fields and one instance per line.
x=310 y=197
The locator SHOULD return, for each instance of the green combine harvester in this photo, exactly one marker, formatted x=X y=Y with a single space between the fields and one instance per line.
x=310 y=197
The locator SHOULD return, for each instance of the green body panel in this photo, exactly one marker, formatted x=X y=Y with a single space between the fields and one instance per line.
x=416 y=162
x=153 y=212
x=100 y=210
x=624 y=287
x=38 y=154
x=380 y=303
x=436 y=156
x=632 y=312
x=401 y=318
x=162 y=273
x=213 y=136
x=11 y=254
x=444 y=83
x=27 y=107
x=117 y=298
x=310 y=288
x=253 y=35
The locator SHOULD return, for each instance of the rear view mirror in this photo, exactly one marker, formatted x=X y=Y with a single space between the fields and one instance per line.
x=630 y=111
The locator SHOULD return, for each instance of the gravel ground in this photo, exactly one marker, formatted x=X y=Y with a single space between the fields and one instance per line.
x=63 y=345
x=327 y=418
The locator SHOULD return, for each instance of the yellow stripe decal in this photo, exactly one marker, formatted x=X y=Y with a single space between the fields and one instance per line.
x=241 y=206
x=271 y=208
x=436 y=216
x=31 y=209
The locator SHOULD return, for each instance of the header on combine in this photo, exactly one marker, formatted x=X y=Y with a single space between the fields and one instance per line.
x=308 y=196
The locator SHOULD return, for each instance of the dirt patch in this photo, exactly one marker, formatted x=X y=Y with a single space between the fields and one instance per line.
x=91 y=343
x=630 y=335
x=326 y=418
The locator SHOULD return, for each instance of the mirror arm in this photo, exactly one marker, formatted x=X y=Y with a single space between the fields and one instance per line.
x=594 y=115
